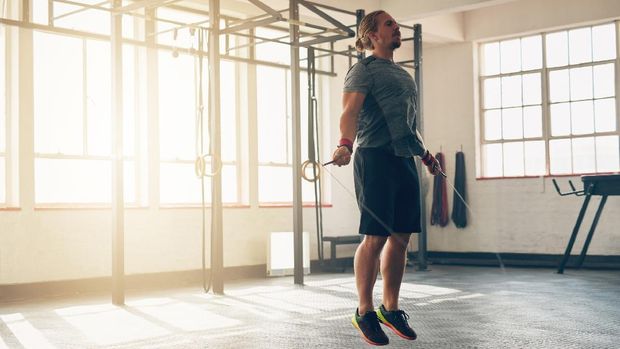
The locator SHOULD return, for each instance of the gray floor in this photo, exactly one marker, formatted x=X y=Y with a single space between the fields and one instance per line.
x=450 y=307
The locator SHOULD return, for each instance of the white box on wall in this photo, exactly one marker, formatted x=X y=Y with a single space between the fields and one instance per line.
x=280 y=254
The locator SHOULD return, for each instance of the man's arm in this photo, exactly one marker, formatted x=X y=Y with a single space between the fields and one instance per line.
x=352 y=103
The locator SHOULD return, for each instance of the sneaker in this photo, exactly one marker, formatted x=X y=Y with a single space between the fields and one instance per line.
x=397 y=321
x=369 y=327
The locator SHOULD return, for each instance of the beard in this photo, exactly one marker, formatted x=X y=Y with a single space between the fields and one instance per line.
x=395 y=44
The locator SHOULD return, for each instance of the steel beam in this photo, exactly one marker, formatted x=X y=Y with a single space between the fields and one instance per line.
x=217 y=240
x=296 y=130
x=118 y=200
x=417 y=54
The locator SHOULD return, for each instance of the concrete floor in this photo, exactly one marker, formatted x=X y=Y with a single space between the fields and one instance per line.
x=450 y=307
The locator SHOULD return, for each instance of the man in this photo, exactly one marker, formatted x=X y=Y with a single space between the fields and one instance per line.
x=379 y=103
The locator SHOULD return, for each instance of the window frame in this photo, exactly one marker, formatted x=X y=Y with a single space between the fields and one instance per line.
x=141 y=198
x=545 y=102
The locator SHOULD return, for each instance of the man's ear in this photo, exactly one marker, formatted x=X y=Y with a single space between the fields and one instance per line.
x=372 y=36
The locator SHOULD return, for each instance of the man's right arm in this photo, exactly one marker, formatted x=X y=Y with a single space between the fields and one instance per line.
x=352 y=103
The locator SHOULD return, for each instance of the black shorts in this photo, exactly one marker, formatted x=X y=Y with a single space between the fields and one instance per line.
x=388 y=192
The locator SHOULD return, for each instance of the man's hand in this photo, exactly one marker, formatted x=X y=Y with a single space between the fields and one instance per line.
x=342 y=154
x=432 y=164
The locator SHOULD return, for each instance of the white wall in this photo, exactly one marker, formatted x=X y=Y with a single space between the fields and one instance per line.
x=509 y=215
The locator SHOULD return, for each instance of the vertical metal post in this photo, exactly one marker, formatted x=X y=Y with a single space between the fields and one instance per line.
x=417 y=57
x=217 y=240
x=296 y=127
x=359 y=14
x=152 y=109
x=118 y=202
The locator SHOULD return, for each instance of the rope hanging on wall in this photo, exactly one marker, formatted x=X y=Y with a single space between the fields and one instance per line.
x=459 y=210
x=439 y=209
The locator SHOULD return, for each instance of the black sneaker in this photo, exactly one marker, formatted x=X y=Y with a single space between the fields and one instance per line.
x=397 y=321
x=369 y=328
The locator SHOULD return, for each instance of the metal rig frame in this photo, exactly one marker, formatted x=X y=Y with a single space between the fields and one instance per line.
x=233 y=26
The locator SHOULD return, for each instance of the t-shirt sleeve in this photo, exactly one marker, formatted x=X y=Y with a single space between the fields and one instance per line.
x=358 y=79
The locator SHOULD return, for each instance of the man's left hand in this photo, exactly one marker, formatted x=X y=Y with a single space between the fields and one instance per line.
x=432 y=164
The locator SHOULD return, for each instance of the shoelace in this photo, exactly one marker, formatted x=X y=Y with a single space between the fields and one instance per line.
x=373 y=319
x=402 y=316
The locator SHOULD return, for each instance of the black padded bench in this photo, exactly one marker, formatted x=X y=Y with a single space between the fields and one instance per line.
x=340 y=240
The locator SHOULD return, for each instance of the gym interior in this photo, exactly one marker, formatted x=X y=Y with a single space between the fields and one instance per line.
x=164 y=176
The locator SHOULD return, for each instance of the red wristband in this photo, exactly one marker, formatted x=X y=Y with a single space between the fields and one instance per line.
x=427 y=159
x=345 y=142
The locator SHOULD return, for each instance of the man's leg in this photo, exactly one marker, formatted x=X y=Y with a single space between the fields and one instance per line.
x=393 y=262
x=392 y=270
x=366 y=265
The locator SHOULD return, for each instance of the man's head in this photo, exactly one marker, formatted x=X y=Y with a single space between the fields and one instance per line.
x=378 y=29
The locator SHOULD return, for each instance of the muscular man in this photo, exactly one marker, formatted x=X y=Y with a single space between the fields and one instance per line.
x=379 y=103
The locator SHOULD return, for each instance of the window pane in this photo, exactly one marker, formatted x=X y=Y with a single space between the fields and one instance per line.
x=512 y=123
x=604 y=79
x=560 y=156
x=179 y=184
x=558 y=86
x=40 y=11
x=557 y=49
x=131 y=100
x=492 y=125
x=582 y=117
x=177 y=107
x=605 y=115
x=492 y=160
x=72 y=181
x=531 y=89
x=510 y=56
x=580 y=45
x=580 y=83
x=58 y=81
x=492 y=93
x=583 y=151
x=491 y=58
x=604 y=42
x=275 y=184
x=535 y=158
x=607 y=157
x=228 y=111
x=560 y=119
x=272 y=114
x=511 y=91
x=129 y=181
x=98 y=98
x=531 y=52
x=532 y=121
x=271 y=51
x=94 y=21
x=229 y=184
x=513 y=159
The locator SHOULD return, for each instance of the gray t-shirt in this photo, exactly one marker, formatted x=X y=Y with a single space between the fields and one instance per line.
x=388 y=116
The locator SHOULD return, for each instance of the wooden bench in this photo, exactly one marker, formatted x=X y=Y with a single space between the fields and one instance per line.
x=334 y=241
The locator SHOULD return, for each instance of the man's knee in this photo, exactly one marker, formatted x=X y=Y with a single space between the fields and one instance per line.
x=400 y=240
x=374 y=243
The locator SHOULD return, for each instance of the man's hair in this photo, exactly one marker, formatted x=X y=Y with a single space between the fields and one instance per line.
x=367 y=25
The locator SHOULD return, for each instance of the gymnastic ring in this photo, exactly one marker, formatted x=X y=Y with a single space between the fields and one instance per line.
x=200 y=166
x=314 y=165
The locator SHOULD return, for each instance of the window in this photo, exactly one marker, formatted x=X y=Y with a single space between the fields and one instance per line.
x=275 y=156
x=179 y=136
x=549 y=104
x=72 y=116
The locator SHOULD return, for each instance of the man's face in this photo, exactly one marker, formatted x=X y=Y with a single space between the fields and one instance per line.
x=388 y=32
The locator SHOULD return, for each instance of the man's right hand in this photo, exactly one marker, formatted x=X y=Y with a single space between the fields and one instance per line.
x=341 y=156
